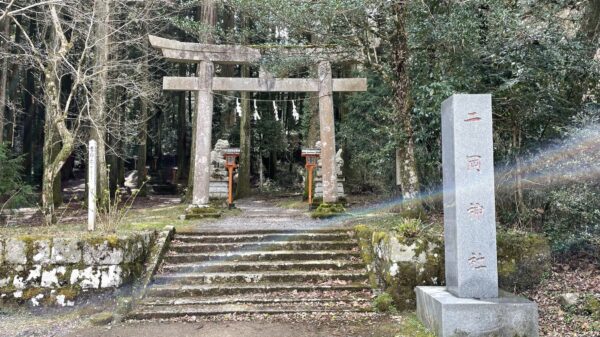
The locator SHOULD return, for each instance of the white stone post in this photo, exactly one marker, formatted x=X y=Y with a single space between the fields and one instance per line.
x=471 y=304
x=327 y=128
x=469 y=206
x=204 y=112
x=92 y=184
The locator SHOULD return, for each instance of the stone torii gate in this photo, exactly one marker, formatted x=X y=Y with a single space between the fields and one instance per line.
x=205 y=83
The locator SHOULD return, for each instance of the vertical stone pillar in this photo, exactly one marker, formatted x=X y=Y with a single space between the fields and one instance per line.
x=327 y=127
x=92 y=183
x=469 y=204
x=204 y=114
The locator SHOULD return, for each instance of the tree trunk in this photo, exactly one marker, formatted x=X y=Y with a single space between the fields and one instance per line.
x=243 y=186
x=58 y=142
x=181 y=130
x=142 y=148
x=29 y=106
x=157 y=157
x=5 y=30
x=32 y=129
x=516 y=143
x=98 y=108
x=56 y=132
x=592 y=21
x=409 y=180
x=228 y=70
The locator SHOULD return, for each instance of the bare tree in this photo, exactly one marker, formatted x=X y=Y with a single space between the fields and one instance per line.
x=98 y=108
x=5 y=33
x=70 y=47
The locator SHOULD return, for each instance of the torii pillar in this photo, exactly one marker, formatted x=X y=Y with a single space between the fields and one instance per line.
x=204 y=114
x=205 y=83
x=327 y=133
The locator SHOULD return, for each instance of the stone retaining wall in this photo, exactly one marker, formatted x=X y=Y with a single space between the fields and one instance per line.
x=54 y=270
x=398 y=264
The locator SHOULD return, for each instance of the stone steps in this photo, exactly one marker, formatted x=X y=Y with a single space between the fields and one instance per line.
x=280 y=232
x=261 y=276
x=238 y=266
x=283 y=297
x=161 y=312
x=264 y=237
x=262 y=272
x=174 y=290
x=277 y=255
x=196 y=247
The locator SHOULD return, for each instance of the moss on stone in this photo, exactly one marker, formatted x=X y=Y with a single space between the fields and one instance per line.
x=30 y=293
x=378 y=237
x=364 y=235
x=29 y=247
x=70 y=293
x=102 y=318
x=325 y=211
x=363 y=231
x=523 y=260
x=112 y=241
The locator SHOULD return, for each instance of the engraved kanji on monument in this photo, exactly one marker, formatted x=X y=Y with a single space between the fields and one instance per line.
x=469 y=205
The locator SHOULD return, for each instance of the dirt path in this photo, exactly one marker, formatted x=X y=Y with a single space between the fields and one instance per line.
x=381 y=326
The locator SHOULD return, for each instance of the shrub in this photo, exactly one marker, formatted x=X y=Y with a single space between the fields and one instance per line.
x=409 y=228
x=573 y=219
x=384 y=303
x=13 y=191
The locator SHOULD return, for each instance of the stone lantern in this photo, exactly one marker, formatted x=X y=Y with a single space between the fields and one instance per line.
x=230 y=156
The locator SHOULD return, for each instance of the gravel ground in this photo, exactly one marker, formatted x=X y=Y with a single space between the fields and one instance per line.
x=263 y=214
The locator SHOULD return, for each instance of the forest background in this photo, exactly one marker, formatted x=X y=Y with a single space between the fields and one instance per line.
x=71 y=71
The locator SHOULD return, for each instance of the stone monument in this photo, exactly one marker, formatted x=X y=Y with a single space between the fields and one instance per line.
x=218 y=172
x=471 y=304
x=339 y=164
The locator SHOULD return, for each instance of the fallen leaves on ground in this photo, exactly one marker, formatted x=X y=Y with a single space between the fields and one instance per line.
x=580 y=276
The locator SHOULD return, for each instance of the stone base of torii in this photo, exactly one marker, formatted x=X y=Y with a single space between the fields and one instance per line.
x=205 y=83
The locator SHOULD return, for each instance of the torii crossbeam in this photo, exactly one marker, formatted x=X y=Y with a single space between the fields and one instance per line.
x=205 y=84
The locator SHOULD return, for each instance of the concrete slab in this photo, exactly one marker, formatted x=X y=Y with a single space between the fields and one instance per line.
x=449 y=316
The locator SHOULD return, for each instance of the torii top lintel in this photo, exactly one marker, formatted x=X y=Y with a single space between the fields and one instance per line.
x=188 y=52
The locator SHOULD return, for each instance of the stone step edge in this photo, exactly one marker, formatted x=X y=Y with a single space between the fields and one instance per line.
x=176 y=244
x=327 y=273
x=268 y=231
x=269 y=252
x=158 y=301
x=257 y=266
x=262 y=237
x=211 y=311
x=263 y=263
x=263 y=286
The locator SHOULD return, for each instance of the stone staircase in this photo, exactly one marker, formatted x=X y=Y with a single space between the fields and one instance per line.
x=263 y=272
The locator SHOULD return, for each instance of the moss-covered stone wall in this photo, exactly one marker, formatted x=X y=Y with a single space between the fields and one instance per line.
x=53 y=270
x=397 y=262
